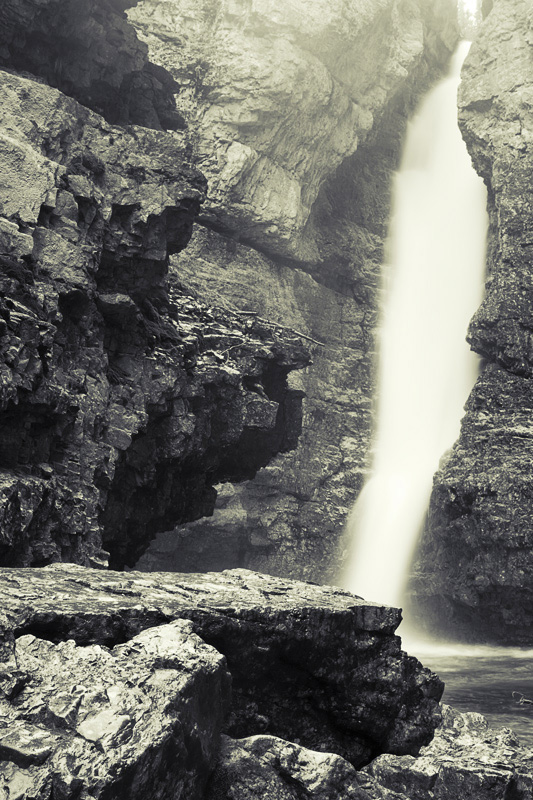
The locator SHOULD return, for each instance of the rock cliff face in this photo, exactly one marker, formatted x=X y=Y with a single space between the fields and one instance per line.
x=475 y=574
x=123 y=399
x=116 y=681
x=297 y=112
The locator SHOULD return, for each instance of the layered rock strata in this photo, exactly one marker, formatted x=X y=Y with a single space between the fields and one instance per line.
x=296 y=114
x=476 y=566
x=123 y=398
x=307 y=663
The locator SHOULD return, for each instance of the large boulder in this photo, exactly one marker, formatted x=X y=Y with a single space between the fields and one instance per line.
x=466 y=759
x=309 y=664
x=142 y=719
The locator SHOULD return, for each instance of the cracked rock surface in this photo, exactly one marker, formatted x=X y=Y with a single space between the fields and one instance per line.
x=123 y=398
x=466 y=759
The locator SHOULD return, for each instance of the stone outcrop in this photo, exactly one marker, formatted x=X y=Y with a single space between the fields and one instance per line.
x=296 y=113
x=474 y=575
x=123 y=398
x=465 y=760
x=308 y=663
x=264 y=766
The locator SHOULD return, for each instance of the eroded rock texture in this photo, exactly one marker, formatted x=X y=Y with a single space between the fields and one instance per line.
x=123 y=399
x=465 y=760
x=476 y=567
x=297 y=111
x=309 y=664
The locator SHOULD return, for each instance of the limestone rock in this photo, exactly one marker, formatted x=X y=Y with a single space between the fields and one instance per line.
x=87 y=49
x=308 y=663
x=280 y=94
x=263 y=766
x=474 y=575
x=465 y=759
x=141 y=719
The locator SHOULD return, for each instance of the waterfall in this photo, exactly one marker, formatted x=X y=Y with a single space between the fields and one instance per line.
x=432 y=286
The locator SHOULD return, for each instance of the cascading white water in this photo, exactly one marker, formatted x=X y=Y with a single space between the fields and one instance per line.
x=432 y=286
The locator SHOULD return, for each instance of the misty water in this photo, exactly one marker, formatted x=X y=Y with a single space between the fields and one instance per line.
x=433 y=283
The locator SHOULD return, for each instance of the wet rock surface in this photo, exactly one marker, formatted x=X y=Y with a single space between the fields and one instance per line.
x=474 y=575
x=308 y=663
x=466 y=759
x=264 y=766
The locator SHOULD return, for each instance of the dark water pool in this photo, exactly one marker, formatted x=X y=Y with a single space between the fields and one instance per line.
x=483 y=679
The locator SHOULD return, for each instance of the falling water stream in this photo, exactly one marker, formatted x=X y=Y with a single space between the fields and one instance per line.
x=432 y=286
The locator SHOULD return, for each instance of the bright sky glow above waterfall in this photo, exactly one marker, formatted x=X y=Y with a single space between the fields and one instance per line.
x=432 y=287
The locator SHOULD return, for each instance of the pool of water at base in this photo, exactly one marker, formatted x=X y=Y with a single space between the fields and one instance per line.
x=483 y=679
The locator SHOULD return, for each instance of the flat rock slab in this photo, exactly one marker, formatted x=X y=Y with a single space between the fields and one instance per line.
x=310 y=664
x=140 y=720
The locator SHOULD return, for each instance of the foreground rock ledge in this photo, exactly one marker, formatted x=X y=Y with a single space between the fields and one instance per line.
x=309 y=663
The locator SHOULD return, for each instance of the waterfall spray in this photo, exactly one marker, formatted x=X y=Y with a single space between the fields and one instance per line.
x=432 y=286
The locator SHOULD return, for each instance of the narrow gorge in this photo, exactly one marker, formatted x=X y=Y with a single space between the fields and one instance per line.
x=195 y=205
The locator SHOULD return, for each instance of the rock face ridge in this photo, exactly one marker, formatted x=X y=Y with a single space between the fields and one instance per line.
x=475 y=568
x=306 y=662
x=298 y=130
x=118 y=388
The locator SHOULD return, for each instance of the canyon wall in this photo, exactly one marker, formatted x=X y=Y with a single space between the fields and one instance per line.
x=296 y=113
x=142 y=368
x=475 y=571
x=124 y=399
